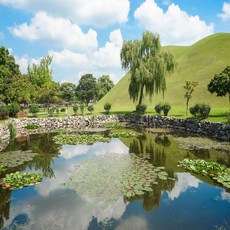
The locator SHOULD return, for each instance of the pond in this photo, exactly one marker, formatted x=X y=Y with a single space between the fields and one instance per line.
x=122 y=183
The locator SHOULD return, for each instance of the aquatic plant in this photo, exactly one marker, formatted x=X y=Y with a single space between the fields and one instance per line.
x=15 y=158
x=114 y=125
x=19 y=180
x=106 y=178
x=74 y=139
x=124 y=134
x=218 y=172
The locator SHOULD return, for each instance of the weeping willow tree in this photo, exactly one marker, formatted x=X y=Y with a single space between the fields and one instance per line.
x=147 y=65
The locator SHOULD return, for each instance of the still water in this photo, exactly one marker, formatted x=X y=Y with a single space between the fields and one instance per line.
x=188 y=202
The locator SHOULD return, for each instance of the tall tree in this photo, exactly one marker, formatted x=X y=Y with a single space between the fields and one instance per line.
x=68 y=91
x=87 y=88
x=104 y=84
x=40 y=74
x=9 y=72
x=147 y=64
x=189 y=89
x=220 y=84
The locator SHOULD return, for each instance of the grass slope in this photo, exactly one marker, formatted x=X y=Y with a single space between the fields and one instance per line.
x=198 y=62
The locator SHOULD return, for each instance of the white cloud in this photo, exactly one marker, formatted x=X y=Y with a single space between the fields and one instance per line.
x=23 y=63
x=175 y=26
x=184 y=181
x=98 y=13
x=226 y=12
x=59 y=31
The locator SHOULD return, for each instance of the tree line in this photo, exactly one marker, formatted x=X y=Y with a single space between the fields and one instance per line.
x=37 y=85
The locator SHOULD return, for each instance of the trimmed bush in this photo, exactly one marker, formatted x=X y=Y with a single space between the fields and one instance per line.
x=51 y=111
x=141 y=109
x=166 y=107
x=82 y=108
x=158 y=109
x=34 y=109
x=4 y=112
x=75 y=109
x=200 y=111
x=228 y=116
x=62 y=109
x=90 y=108
x=13 y=109
x=107 y=107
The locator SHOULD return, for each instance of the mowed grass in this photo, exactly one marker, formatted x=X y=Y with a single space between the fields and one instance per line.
x=199 y=62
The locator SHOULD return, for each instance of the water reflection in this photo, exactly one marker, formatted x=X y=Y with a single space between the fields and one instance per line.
x=51 y=205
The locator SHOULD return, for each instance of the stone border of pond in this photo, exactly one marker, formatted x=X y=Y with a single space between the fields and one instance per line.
x=218 y=131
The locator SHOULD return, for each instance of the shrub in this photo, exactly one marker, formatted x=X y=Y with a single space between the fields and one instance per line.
x=158 y=109
x=32 y=126
x=51 y=111
x=107 y=107
x=62 y=109
x=75 y=109
x=200 y=111
x=4 y=112
x=141 y=109
x=166 y=107
x=228 y=116
x=34 y=109
x=13 y=109
x=82 y=108
x=90 y=108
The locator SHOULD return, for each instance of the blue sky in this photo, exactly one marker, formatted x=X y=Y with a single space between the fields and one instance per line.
x=86 y=36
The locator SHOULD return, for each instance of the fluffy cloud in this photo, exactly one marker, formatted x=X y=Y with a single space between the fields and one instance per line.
x=226 y=12
x=69 y=65
x=98 y=13
x=59 y=31
x=175 y=26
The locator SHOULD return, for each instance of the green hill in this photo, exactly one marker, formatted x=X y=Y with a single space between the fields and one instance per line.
x=198 y=62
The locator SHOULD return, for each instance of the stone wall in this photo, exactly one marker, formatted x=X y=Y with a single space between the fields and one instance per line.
x=213 y=130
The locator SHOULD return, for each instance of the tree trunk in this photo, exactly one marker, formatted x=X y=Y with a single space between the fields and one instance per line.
x=187 y=106
x=141 y=94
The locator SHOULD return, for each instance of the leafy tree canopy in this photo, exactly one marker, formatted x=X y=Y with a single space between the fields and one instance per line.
x=68 y=91
x=87 y=88
x=220 y=84
x=147 y=64
x=105 y=84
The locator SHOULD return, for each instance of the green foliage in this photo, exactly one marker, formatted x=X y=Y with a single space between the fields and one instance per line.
x=63 y=109
x=107 y=107
x=4 y=112
x=200 y=111
x=19 y=180
x=104 y=85
x=9 y=73
x=68 y=91
x=51 y=111
x=32 y=126
x=87 y=88
x=13 y=109
x=147 y=64
x=73 y=139
x=140 y=109
x=228 y=116
x=220 y=83
x=82 y=108
x=90 y=108
x=2 y=168
x=75 y=108
x=115 y=125
x=34 y=109
x=158 y=108
x=189 y=89
x=218 y=172
x=165 y=107
x=124 y=134
x=12 y=130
